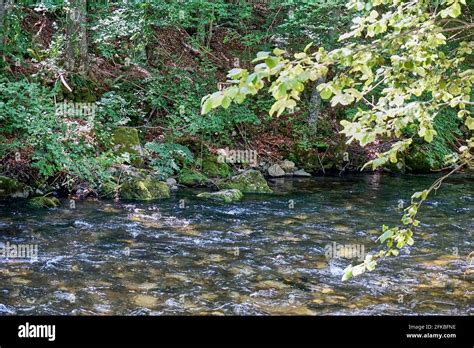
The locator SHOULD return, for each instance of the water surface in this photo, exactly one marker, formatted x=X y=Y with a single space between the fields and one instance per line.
x=263 y=255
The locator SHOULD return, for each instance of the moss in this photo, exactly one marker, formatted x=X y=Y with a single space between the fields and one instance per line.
x=43 y=202
x=423 y=157
x=417 y=159
x=191 y=177
x=226 y=196
x=213 y=169
x=11 y=188
x=397 y=168
x=251 y=181
x=126 y=140
x=109 y=189
x=144 y=189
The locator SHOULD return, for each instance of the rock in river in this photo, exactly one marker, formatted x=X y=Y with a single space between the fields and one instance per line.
x=44 y=202
x=251 y=181
x=144 y=189
x=227 y=196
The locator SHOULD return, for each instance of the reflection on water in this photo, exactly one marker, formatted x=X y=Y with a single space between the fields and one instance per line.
x=263 y=255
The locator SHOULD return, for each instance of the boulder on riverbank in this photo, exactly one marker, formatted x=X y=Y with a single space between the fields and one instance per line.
x=191 y=177
x=212 y=168
x=250 y=181
x=126 y=140
x=11 y=188
x=226 y=196
x=275 y=171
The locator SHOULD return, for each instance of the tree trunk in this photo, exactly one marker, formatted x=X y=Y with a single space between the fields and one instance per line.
x=315 y=104
x=2 y=28
x=76 y=38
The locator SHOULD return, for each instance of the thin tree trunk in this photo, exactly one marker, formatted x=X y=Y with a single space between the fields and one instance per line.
x=76 y=38
x=315 y=104
x=2 y=28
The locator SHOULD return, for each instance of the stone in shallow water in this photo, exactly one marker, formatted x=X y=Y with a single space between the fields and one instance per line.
x=145 y=301
x=250 y=181
x=144 y=189
x=301 y=173
x=227 y=196
x=43 y=202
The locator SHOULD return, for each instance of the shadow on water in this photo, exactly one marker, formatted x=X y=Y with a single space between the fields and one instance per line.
x=268 y=254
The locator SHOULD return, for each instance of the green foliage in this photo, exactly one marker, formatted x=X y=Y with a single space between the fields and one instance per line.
x=28 y=113
x=177 y=97
x=168 y=159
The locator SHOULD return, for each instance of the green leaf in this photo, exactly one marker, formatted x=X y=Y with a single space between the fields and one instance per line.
x=469 y=123
x=388 y=234
x=347 y=273
x=325 y=93
x=278 y=52
x=207 y=106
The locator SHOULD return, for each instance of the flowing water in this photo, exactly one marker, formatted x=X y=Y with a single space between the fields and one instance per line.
x=268 y=254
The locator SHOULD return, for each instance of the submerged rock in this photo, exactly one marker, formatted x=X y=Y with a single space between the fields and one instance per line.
x=275 y=171
x=126 y=140
x=44 y=202
x=227 y=196
x=144 y=189
x=301 y=172
x=11 y=188
x=251 y=181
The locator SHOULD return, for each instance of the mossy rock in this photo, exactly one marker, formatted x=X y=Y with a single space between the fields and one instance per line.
x=417 y=159
x=213 y=169
x=144 y=189
x=11 y=188
x=43 y=202
x=109 y=189
x=126 y=140
x=226 y=196
x=251 y=181
x=191 y=177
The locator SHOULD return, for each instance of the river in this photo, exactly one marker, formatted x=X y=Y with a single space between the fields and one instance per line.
x=265 y=255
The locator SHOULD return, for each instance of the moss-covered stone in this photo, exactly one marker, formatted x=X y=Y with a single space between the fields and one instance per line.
x=126 y=140
x=11 y=188
x=144 y=189
x=226 y=196
x=191 y=177
x=43 y=202
x=418 y=161
x=251 y=181
x=213 y=169
x=109 y=189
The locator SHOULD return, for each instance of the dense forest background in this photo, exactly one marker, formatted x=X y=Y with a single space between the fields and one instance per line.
x=145 y=67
